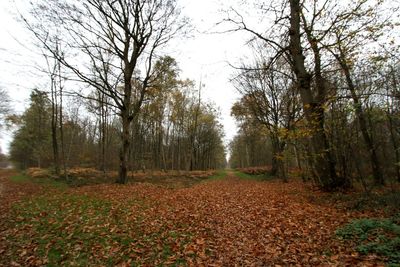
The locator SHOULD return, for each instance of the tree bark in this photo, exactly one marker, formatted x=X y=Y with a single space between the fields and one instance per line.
x=324 y=163
x=278 y=163
x=54 y=125
x=123 y=156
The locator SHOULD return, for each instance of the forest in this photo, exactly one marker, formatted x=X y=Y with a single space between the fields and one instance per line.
x=120 y=160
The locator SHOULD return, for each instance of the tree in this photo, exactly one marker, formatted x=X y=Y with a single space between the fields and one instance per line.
x=313 y=99
x=268 y=99
x=250 y=147
x=357 y=25
x=340 y=54
x=118 y=40
x=5 y=108
x=285 y=38
x=31 y=145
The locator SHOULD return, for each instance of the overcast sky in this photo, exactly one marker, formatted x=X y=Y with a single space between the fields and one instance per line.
x=205 y=56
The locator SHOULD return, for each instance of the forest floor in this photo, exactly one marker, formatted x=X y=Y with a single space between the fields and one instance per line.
x=226 y=220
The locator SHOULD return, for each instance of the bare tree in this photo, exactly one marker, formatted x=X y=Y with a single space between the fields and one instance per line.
x=113 y=46
x=270 y=99
x=285 y=37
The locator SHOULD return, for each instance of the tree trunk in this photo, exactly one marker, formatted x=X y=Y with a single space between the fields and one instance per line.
x=376 y=166
x=278 y=163
x=298 y=161
x=54 y=127
x=61 y=125
x=123 y=156
x=395 y=147
x=324 y=164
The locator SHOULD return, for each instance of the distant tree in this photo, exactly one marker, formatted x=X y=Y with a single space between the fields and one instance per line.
x=5 y=107
x=31 y=146
x=250 y=147
x=175 y=129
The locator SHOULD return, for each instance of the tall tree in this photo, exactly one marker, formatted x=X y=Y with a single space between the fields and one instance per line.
x=285 y=38
x=351 y=29
x=313 y=104
x=118 y=40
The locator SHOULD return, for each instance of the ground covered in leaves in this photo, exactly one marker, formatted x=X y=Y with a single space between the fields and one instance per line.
x=223 y=221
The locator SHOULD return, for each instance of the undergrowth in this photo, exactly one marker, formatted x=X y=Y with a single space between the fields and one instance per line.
x=375 y=236
x=387 y=201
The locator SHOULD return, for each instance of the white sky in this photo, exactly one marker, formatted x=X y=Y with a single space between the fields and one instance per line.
x=204 y=55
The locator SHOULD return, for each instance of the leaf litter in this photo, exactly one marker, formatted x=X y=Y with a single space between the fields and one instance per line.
x=228 y=222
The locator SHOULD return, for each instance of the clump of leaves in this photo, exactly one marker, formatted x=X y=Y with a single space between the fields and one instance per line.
x=255 y=170
x=379 y=236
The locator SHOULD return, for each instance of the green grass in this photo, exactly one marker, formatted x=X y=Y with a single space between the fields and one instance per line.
x=219 y=175
x=50 y=182
x=20 y=178
x=258 y=177
x=70 y=229
x=46 y=182
x=379 y=236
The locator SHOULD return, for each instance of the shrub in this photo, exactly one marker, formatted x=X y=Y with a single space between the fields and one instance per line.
x=379 y=236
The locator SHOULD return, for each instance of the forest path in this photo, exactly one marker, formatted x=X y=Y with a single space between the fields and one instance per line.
x=229 y=222
x=253 y=223
x=259 y=223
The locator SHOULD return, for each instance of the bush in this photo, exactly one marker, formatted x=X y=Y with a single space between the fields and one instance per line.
x=379 y=236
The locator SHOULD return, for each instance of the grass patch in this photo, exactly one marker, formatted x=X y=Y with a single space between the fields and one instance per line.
x=20 y=178
x=46 y=182
x=256 y=177
x=219 y=175
x=379 y=236
x=50 y=182
x=78 y=230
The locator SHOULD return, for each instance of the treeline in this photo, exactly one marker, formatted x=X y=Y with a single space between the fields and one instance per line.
x=322 y=96
x=175 y=129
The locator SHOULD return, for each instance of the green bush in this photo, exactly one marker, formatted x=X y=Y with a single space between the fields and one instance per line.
x=379 y=236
